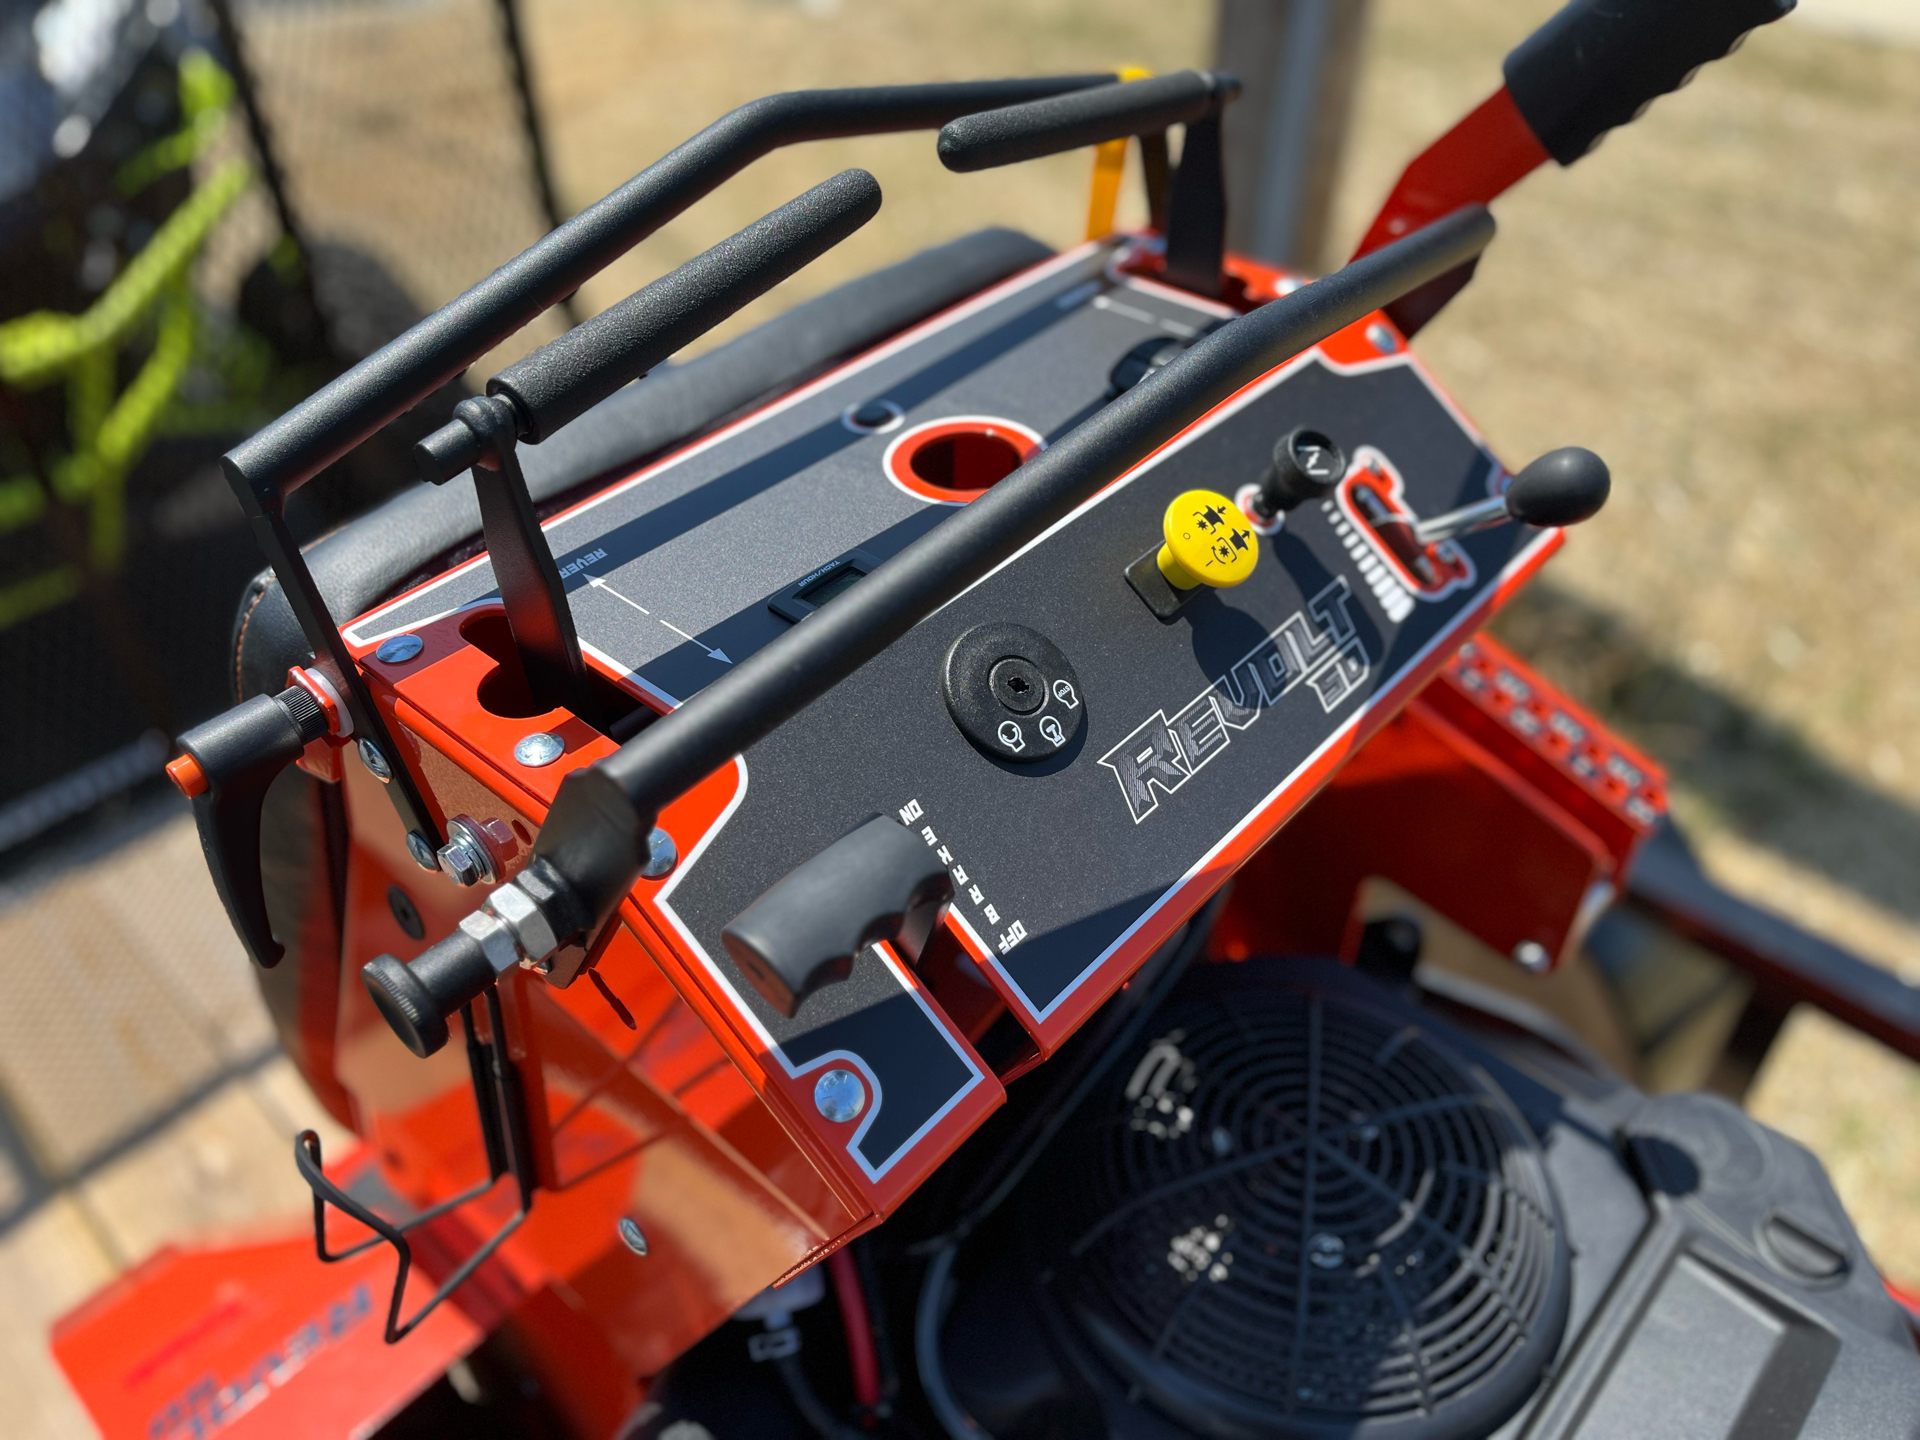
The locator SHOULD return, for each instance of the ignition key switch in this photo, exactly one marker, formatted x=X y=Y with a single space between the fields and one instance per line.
x=1012 y=693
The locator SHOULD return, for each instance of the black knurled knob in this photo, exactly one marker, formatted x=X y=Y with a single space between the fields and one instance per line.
x=1306 y=466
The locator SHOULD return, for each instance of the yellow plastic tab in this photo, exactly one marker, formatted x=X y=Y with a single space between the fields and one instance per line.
x=1109 y=163
x=1209 y=542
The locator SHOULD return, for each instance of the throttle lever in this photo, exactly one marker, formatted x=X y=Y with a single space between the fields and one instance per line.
x=1562 y=487
x=879 y=882
x=229 y=762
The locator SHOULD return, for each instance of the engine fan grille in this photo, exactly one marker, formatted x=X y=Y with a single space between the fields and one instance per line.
x=1301 y=1213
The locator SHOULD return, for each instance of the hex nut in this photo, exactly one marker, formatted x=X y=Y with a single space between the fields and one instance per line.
x=514 y=908
x=496 y=940
x=465 y=833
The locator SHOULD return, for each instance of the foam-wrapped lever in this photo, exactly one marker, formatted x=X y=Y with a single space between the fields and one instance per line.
x=570 y=375
x=1597 y=63
x=1086 y=117
x=879 y=882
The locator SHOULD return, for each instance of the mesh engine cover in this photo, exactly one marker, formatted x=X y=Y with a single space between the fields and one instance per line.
x=1288 y=1213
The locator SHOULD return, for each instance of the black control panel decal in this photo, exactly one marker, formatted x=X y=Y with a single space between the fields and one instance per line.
x=874 y=1022
x=1324 y=653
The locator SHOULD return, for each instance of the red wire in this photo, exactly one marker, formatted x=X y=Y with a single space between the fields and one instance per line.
x=853 y=1315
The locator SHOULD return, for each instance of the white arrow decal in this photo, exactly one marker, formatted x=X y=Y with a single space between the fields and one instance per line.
x=599 y=584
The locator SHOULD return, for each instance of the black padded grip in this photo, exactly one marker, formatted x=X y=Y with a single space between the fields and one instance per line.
x=1087 y=117
x=1598 y=63
x=568 y=376
x=880 y=882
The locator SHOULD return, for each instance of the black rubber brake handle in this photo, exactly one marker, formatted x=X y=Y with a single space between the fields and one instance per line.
x=1085 y=117
x=1599 y=63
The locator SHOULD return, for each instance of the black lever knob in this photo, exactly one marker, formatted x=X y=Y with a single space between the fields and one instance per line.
x=1306 y=466
x=234 y=758
x=1562 y=487
x=880 y=882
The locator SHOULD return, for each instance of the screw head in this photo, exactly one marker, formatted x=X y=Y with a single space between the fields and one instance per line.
x=398 y=649
x=375 y=762
x=839 y=1095
x=1532 y=957
x=1381 y=338
x=459 y=863
x=874 y=417
x=538 y=749
x=631 y=1236
x=464 y=857
x=662 y=855
x=421 y=849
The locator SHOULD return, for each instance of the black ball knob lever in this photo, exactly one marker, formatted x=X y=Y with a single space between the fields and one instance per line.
x=1562 y=487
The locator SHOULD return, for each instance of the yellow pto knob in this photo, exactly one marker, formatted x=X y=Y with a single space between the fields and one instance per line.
x=1209 y=542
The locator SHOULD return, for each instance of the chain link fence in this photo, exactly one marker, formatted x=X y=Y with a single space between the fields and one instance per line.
x=315 y=175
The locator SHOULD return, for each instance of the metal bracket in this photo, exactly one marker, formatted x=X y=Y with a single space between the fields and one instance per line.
x=498 y=1093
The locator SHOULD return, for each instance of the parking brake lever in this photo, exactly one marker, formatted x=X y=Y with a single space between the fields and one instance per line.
x=227 y=766
x=879 y=882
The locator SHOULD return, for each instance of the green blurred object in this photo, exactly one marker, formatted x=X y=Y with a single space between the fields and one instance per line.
x=152 y=298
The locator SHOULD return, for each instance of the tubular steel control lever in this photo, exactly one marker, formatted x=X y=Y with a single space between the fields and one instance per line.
x=539 y=394
x=267 y=468
x=1594 y=65
x=228 y=763
x=1562 y=487
x=879 y=882
x=595 y=838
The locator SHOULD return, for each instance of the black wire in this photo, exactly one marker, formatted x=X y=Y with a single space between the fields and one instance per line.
x=1050 y=1114
x=812 y=1409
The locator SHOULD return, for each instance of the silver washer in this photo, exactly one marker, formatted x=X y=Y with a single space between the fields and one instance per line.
x=631 y=1236
x=398 y=649
x=375 y=762
x=538 y=749
x=662 y=855
x=839 y=1095
x=1532 y=957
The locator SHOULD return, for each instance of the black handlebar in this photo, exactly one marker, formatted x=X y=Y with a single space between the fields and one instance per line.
x=566 y=377
x=1598 y=63
x=283 y=456
x=560 y=380
x=1086 y=117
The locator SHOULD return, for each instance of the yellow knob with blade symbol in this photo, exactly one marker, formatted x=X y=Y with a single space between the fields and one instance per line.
x=1209 y=542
